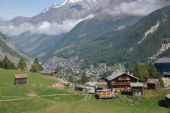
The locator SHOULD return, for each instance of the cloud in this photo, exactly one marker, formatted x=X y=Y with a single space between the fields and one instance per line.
x=131 y=7
x=139 y=7
x=42 y=28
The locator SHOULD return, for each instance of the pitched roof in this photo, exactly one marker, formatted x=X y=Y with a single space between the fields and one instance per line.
x=115 y=75
x=152 y=81
x=163 y=60
x=168 y=96
x=21 y=76
x=45 y=71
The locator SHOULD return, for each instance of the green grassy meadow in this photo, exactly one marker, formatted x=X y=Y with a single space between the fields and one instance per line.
x=79 y=103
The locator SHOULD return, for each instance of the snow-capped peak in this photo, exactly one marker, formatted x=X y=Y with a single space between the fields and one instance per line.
x=56 y=5
x=74 y=1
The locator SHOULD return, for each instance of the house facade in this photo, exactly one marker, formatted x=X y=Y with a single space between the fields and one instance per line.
x=121 y=82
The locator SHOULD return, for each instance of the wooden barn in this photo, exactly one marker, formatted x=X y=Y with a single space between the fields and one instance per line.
x=167 y=101
x=120 y=82
x=153 y=83
x=137 y=89
x=21 y=79
x=80 y=88
x=102 y=90
x=48 y=72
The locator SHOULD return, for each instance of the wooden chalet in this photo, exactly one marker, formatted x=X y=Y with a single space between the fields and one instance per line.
x=21 y=79
x=153 y=83
x=121 y=82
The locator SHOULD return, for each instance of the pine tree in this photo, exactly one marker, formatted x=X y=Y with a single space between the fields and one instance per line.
x=7 y=64
x=141 y=71
x=84 y=78
x=153 y=73
x=22 y=64
x=1 y=64
x=36 y=67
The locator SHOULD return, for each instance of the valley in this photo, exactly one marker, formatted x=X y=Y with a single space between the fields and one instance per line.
x=85 y=56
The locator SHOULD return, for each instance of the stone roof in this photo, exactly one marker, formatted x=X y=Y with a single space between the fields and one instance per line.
x=152 y=81
x=168 y=96
x=91 y=83
x=45 y=71
x=163 y=60
x=21 y=76
x=138 y=84
x=115 y=75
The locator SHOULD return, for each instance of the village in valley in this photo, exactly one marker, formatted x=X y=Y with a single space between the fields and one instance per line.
x=103 y=82
x=84 y=56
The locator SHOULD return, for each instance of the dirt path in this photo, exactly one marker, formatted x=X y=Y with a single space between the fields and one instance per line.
x=26 y=98
x=86 y=97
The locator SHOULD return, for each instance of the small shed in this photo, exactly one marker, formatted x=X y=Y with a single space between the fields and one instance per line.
x=102 y=90
x=48 y=72
x=153 y=83
x=21 y=79
x=167 y=100
x=137 y=88
x=80 y=88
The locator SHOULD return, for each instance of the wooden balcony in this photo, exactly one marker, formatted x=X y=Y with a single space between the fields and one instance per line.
x=121 y=83
x=124 y=79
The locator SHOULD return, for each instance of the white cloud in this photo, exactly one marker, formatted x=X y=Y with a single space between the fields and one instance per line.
x=140 y=7
x=132 y=7
x=42 y=28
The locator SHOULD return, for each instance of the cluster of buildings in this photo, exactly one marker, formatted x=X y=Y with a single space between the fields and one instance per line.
x=122 y=82
x=118 y=82
x=128 y=84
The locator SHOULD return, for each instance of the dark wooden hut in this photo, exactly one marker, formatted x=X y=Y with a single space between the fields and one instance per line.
x=137 y=89
x=21 y=79
x=153 y=83
x=167 y=101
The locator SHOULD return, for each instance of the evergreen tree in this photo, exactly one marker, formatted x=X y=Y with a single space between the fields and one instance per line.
x=7 y=64
x=106 y=74
x=153 y=73
x=84 y=78
x=22 y=64
x=1 y=64
x=36 y=67
x=141 y=71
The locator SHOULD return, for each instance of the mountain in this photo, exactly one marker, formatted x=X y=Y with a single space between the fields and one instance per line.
x=9 y=49
x=94 y=30
x=18 y=20
x=31 y=34
x=124 y=41
x=37 y=45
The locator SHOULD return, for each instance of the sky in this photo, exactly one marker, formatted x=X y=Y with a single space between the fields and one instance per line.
x=11 y=8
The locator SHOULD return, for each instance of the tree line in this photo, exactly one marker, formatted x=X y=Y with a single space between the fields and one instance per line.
x=6 y=63
x=145 y=71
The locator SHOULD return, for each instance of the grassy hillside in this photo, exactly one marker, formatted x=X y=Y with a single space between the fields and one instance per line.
x=80 y=103
x=37 y=85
